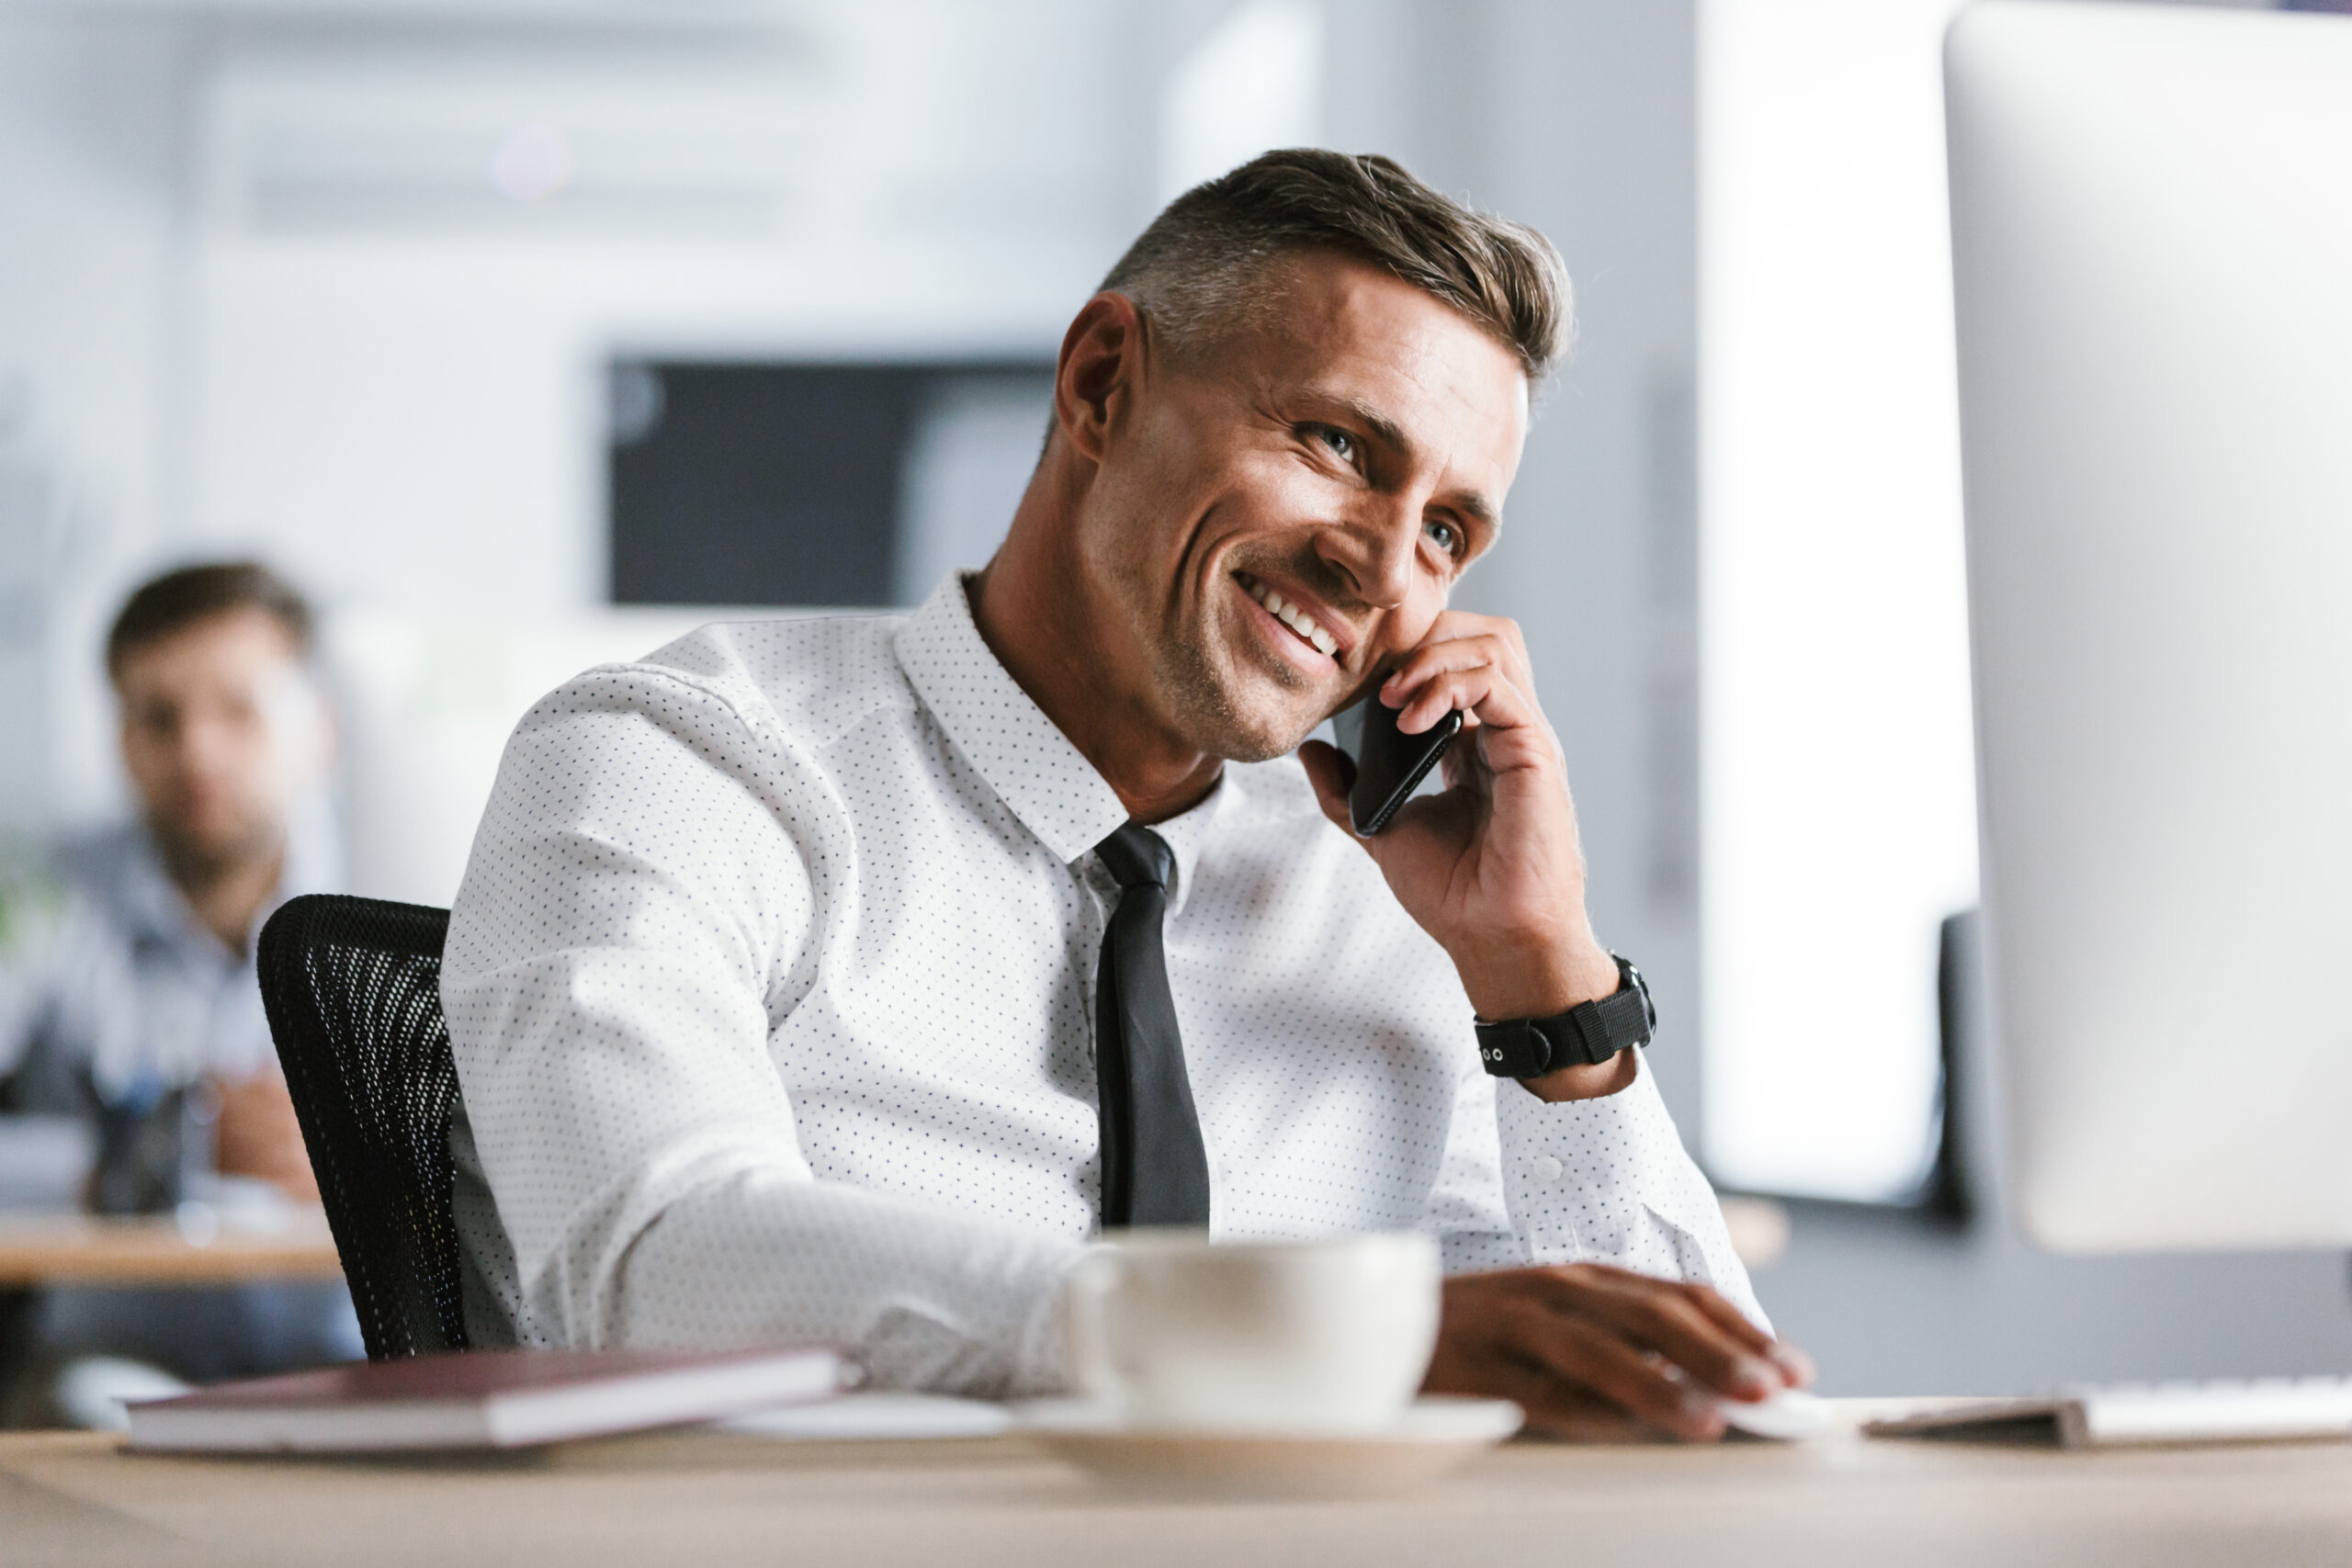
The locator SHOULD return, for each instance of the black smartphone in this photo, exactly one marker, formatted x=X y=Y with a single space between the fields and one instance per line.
x=1389 y=763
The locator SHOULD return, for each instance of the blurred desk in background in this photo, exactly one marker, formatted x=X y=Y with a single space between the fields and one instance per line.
x=717 y=1498
x=39 y=1249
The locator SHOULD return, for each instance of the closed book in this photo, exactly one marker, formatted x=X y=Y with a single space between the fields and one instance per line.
x=483 y=1399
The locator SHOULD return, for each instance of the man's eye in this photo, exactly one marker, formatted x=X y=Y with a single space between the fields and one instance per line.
x=1443 y=534
x=1343 y=445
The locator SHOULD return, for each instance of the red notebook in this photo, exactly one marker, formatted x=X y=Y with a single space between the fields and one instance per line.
x=495 y=1399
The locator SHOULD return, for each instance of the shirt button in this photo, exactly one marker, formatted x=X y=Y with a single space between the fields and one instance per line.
x=1548 y=1168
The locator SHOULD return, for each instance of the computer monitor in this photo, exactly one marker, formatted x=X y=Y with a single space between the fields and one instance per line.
x=2152 y=233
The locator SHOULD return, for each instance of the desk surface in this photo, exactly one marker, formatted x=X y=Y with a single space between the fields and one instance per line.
x=715 y=1500
x=80 y=1250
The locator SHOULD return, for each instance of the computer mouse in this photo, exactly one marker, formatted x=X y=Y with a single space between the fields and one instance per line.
x=1787 y=1415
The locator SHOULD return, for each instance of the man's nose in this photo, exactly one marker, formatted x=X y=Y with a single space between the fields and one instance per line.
x=205 y=745
x=1374 y=551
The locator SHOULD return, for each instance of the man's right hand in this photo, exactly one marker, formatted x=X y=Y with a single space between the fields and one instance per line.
x=1602 y=1354
x=257 y=1135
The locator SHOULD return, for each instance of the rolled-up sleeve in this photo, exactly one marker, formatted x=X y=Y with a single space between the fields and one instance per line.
x=646 y=900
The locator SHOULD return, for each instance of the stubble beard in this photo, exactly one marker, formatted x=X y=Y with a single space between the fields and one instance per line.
x=1206 y=704
x=196 y=861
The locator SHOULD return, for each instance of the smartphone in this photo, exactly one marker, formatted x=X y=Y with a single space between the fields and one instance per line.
x=1389 y=763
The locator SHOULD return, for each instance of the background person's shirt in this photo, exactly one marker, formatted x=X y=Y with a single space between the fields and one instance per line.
x=771 y=989
x=135 y=991
x=135 y=999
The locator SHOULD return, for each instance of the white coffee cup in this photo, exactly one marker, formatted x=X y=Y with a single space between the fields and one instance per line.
x=1166 y=1328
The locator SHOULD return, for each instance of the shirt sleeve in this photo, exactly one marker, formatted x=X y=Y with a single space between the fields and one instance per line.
x=638 y=911
x=1608 y=1180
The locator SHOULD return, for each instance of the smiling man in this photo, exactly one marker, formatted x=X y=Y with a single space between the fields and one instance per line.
x=838 y=980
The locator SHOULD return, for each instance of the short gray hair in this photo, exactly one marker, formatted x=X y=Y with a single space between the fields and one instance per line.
x=1196 y=271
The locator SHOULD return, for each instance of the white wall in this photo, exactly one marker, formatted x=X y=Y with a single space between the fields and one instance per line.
x=400 y=398
x=383 y=402
x=88 y=301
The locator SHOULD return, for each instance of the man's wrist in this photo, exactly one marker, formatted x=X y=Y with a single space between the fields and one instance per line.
x=1585 y=973
x=1585 y=1082
x=1542 y=984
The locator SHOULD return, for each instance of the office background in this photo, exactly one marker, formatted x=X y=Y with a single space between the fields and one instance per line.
x=457 y=310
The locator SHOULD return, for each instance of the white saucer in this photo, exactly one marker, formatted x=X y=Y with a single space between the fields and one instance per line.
x=1431 y=1437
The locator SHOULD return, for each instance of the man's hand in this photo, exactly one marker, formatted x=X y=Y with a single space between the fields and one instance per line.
x=1491 y=867
x=1600 y=1354
x=256 y=1134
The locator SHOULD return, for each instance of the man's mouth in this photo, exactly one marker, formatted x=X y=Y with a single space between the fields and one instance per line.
x=1303 y=625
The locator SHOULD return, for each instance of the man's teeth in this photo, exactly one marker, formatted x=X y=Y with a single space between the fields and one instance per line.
x=1295 y=618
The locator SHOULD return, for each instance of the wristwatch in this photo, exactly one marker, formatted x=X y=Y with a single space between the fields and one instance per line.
x=1586 y=1035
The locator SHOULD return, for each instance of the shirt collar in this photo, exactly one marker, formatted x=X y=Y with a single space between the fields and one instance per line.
x=147 y=900
x=1187 y=833
x=1000 y=730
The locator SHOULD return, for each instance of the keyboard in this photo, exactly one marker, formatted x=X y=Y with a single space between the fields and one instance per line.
x=2220 y=1411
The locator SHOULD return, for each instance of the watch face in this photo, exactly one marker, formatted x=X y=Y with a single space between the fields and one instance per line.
x=1634 y=979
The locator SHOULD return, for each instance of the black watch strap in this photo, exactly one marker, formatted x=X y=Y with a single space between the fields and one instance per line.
x=1586 y=1035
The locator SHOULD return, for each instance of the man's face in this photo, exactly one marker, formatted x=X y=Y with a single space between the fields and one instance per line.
x=1350 y=457
x=220 y=730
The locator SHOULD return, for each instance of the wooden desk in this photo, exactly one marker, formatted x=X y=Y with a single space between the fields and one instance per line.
x=80 y=1250
x=712 y=1500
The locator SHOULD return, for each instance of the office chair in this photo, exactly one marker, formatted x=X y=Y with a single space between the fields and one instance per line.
x=353 y=989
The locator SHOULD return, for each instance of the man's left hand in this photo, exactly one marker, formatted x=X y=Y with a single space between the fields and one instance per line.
x=1492 y=866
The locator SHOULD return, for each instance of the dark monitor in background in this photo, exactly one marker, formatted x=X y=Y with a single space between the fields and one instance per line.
x=813 y=483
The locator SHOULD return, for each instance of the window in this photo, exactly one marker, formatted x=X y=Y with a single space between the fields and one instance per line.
x=1838 y=817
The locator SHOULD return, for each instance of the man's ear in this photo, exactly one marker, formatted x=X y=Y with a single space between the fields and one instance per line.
x=1101 y=357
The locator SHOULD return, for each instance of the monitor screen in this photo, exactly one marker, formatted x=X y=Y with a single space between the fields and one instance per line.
x=808 y=484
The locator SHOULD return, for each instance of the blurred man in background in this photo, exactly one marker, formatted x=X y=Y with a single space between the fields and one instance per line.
x=145 y=1021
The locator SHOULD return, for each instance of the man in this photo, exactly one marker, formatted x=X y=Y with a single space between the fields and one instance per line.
x=793 y=987
x=146 y=1018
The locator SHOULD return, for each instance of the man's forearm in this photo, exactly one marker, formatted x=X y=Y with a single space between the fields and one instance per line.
x=925 y=1298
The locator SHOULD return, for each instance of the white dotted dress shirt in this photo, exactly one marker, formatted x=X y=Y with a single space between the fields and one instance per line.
x=771 y=989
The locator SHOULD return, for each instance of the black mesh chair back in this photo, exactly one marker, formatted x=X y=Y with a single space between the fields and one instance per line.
x=353 y=988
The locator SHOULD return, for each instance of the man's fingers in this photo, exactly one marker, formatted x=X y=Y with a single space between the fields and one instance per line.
x=1586 y=1347
x=1456 y=640
x=1660 y=1315
x=1430 y=662
x=1461 y=626
x=1480 y=690
x=1590 y=1356
x=1437 y=658
x=1484 y=687
x=1733 y=1322
x=1567 y=1399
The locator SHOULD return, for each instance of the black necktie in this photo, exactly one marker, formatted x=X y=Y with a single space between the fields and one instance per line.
x=1155 y=1171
